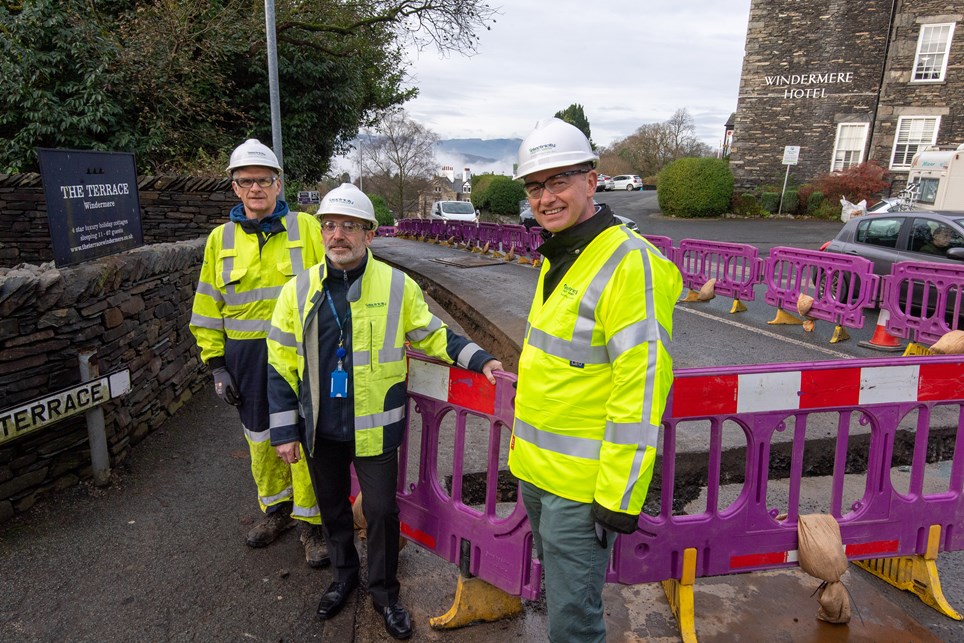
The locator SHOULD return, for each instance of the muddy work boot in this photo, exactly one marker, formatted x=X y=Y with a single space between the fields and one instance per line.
x=316 y=551
x=267 y=530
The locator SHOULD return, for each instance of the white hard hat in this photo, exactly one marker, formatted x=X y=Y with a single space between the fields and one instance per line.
x=348 y=200
x=253 y=152
x=553 y=143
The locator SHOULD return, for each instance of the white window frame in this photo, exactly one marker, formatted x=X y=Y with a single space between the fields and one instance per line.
x=840 y=164
x=921 y=56
x=905 y=124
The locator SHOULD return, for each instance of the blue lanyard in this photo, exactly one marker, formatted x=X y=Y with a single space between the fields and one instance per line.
x=341 y=328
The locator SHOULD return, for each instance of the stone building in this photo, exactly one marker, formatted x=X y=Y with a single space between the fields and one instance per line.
x=847 y=82
x=445 y=186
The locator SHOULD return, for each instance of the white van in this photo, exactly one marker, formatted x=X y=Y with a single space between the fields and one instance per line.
x=938 y=177
x=454 y=211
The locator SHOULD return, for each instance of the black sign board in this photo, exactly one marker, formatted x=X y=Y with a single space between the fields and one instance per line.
x=93 y=207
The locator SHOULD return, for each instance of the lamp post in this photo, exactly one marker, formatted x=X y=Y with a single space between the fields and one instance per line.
x=274 y=93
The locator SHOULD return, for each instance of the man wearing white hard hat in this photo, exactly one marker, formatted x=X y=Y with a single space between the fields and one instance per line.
x=593 y=378
x=246 y=261
x=336 y=358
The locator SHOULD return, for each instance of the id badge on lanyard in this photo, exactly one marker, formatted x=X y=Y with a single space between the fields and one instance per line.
x=339 y=376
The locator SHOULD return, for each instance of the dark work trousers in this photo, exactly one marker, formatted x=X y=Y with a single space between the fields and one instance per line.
x=378 y=479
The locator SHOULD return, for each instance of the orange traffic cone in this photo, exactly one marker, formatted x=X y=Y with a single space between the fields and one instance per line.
x=882 y=340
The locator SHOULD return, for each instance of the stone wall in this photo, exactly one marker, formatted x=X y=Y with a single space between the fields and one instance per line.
x=900 y=97
x=132 y=308
x=172 y=209
x=843 y=44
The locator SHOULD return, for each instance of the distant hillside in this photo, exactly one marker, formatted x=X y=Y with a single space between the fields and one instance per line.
x=490 y=150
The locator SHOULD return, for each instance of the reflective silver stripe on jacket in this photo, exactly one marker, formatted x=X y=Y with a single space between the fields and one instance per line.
x=285 y=339
x=465 y=355
x=380 y=419
x=234 y=298
x=204 y=288
x=282 y=418
x=247 y=325
x=294 y=234
x=396 y=295
x=640 y=434
x=633 y=335
x=418 y=334
x=652 y=356
x=203 y=321
x=562 y=444
x=257 y=436
x=361 y=358
x=227 y=243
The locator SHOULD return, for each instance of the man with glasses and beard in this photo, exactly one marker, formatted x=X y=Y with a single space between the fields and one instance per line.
x=246 y=262
x=594 y=374
x=337 y=390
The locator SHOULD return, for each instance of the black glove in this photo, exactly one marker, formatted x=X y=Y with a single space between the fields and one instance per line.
x=614 y=520
x=224 y=386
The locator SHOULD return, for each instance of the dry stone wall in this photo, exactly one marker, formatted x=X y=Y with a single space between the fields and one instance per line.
x=132 y=308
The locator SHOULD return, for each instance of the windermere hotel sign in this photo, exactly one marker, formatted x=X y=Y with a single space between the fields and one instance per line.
x=800 y=85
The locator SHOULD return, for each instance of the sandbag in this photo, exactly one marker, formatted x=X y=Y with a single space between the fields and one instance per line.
x=708 y=291
x=951 y=343
x=849 y=210
x=804 y=304
x=361 y=525
x=822 y=556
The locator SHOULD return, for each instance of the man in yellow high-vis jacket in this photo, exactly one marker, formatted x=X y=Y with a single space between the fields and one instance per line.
x=246 y=262
x=594 y=374
x=336 y=385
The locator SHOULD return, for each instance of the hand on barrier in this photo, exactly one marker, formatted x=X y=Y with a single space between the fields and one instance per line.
x=617 y=521
x=224 y=386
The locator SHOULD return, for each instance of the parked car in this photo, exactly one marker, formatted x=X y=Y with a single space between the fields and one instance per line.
x=604 y=182
x=527 y=219
x=454 y=211
x=888 y=204
x=627 y=182
x=892 y=237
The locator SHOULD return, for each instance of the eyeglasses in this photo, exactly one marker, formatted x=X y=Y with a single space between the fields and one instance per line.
x=346 y=226
x=262 y=181
x=555 y=183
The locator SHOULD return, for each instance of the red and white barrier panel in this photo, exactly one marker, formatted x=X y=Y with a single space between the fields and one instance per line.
x=705 y=395
x=452 y=384
x=876 y=549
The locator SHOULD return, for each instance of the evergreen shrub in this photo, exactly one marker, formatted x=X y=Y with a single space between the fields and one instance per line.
x=695 y=187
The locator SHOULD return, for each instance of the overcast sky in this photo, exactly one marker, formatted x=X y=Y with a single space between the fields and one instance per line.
x=627 y=63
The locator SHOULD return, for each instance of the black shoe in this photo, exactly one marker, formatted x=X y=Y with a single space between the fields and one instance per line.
x=397 y=621
x=334 y=599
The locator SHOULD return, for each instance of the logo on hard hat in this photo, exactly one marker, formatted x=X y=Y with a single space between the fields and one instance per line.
x=339 y=199
x=545 y=147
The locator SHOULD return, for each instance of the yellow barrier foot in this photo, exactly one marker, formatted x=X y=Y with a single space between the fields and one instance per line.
x=917 y=574
x=692 y=295
x=476 y=600
x=914 y=349
x=679 y=594
x=840 y=334
x=785 y=318
x=738 y=307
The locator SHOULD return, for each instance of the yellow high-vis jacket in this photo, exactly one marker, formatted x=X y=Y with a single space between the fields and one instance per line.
x=241 y=278
x=387 y=309
x=595 y=372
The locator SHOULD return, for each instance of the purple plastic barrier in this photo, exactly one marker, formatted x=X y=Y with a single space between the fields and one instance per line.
x=438 y=228
x=408 y=227
x=735 y=266
x=842 y=286
x=453 y=230
x=534 y=240
x=936 y=305
x=490 y=233
x=762 y=400
x=386 y=231
x=515 y=238
x=423 y=227
x=501 y=547
x=663 y=244
x=470 y=234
